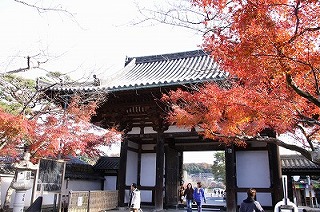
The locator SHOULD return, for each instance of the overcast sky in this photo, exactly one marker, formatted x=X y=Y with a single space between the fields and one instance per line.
x=198 y=157
x=96 y=39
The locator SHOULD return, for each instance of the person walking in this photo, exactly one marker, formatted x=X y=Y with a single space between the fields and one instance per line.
x=198 y=196
x=135 y=199
x=250 y=204
x=188 y=193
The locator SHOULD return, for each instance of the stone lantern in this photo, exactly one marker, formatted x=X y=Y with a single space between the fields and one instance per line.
x=22 y=181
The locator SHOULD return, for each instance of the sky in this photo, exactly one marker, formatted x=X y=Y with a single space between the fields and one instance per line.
x=198 y=157
x=95 y=40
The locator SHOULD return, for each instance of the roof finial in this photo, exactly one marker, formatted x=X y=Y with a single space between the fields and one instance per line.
x=96 y=81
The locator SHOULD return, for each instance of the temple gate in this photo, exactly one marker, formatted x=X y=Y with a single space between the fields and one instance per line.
x=151 y=151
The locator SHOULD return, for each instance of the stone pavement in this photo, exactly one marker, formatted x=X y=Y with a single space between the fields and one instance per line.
x=308 y=209
x=151 y=209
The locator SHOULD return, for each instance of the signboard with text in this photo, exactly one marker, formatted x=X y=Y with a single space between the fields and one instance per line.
x=51 y=174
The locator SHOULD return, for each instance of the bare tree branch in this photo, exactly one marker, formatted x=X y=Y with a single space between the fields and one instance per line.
x=178 y=14
x=42 y=9
x=32 y=63
x=302 y=93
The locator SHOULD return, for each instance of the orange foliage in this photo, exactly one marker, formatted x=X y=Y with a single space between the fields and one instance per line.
x=13 y=131
x=55 y=134
x=271 y=50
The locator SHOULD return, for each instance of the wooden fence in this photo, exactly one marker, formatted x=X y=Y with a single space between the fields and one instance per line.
x=92 y=201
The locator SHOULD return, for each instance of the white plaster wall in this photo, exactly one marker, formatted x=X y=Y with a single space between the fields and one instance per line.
x=252 y=169
x=149 y=130
x=148 y=169
x=81 y=185
x=5 y=182
x=265 y=199
x=126 y=196
x=172 y=129
x=146 y=196
x=132 y=167
x=73 y=185
x=134 y=130
x=110 y=183
x=48 y=198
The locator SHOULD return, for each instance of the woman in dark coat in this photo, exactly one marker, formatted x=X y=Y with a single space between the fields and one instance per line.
x=188 y=193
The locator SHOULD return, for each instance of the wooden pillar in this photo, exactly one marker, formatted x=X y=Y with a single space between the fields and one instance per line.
x=180 y=168
x=139 y=165
x=159 y=170
x=276 y=173
x=172 y=176
x=122 y=172
x=231 y=198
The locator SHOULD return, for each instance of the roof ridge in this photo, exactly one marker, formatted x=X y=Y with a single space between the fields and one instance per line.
x=169 y=56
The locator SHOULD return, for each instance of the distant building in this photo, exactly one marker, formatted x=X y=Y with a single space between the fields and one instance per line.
x=303 y=180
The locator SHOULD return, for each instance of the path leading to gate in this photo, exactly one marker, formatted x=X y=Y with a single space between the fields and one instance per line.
x=151 y=209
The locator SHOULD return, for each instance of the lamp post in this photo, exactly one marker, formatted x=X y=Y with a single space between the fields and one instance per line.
x=295 y=178
x=285 y=205
x=310 y=191
x=23 y=181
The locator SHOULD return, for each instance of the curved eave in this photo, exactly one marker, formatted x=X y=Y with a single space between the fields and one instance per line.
x=138 y=86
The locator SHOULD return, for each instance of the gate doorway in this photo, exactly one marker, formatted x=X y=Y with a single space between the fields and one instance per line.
x=207 y=167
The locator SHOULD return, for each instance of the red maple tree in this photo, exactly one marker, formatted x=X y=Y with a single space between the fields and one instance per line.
x=271 y=50
x=55 y=135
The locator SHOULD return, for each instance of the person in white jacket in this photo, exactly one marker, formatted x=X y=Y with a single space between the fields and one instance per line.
x=134 y=203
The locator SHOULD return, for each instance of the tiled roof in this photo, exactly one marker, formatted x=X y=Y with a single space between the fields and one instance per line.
x=297 y=162
x=107 y=163
x=81 y=171
x=74 y=160
x=6 y=168
x=156 y=70
x=6 y=165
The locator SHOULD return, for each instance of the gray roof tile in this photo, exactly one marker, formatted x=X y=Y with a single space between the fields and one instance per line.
x=157 y=70
x=297 y=162
x=107 y=163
